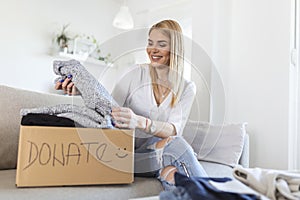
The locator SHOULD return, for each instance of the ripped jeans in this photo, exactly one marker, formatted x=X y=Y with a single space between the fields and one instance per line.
x=177 y=152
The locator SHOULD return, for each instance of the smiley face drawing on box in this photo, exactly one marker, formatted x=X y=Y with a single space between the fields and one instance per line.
x=121 y=154
x=114 y=151
x=113 y=156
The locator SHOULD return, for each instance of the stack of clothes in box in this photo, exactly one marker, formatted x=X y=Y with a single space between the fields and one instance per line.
x=96 y=112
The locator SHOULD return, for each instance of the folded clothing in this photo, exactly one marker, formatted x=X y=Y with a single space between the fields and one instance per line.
x=82 y=115
x=275 y=184
x=36 y=119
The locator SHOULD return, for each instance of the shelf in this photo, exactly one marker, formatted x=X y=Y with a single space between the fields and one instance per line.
x=73 y=56
x=85 y=59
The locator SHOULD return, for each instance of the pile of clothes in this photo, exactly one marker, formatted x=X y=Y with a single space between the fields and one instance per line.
x=96 y=112
x=248 y=184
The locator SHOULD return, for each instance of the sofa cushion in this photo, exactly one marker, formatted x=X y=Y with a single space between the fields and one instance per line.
x=216 y=170
x=141 y=187
x=12 y=100
x=216 y=143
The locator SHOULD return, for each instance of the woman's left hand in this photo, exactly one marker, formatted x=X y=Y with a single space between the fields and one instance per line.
x=125 y=118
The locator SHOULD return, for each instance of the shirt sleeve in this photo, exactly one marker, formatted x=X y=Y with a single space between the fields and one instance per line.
x=181 y=111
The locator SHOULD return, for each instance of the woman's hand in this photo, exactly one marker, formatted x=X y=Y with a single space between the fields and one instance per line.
x=67 y=86
x=126 y=118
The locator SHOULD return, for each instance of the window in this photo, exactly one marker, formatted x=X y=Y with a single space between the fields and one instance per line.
x=294 y=91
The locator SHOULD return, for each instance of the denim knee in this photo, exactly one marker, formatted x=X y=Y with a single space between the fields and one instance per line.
x=180 y=154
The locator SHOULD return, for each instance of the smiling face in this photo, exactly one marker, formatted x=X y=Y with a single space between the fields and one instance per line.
x=158 y=48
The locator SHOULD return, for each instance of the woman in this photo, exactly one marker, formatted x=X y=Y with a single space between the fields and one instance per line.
x=156 y=101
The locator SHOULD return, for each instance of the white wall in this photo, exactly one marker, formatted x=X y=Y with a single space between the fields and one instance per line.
x=202 y=35
x=250 y=47
x=27 y=28
x=259 y=77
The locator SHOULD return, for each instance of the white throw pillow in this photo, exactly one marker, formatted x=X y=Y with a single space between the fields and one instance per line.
x=216 y=143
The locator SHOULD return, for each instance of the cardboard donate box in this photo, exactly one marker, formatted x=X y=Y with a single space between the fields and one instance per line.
x=58 y=156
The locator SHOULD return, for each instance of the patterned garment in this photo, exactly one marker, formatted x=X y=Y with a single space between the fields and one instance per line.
x=94 y=95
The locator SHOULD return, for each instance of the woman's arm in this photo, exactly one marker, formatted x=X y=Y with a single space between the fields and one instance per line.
x=126 y=118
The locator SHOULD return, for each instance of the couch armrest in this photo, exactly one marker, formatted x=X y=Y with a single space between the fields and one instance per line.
x=244 y=160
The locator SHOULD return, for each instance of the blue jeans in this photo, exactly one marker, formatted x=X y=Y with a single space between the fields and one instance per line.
x=201 y=188
x=177 y=152
x=179 y=193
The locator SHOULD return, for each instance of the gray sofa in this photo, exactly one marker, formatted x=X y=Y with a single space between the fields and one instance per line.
x=13 y=99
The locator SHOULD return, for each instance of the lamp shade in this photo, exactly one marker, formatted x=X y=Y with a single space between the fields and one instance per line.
x=123 y=19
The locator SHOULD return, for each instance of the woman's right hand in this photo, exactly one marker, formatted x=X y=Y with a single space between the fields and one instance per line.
x=67 y=86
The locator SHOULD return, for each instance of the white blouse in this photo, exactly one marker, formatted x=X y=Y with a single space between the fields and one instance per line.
x=134 y=90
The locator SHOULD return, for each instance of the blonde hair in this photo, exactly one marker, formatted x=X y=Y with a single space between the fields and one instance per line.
x=172 y=29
